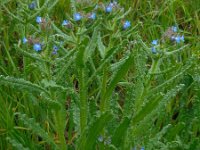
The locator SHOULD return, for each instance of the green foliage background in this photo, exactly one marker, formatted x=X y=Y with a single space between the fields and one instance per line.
x=104 y=89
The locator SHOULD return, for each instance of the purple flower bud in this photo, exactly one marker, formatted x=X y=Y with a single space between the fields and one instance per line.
x=173 y=38
x=32 y=5
x=55 y=49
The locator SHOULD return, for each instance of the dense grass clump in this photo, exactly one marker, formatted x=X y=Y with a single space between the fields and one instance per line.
x=89 y=75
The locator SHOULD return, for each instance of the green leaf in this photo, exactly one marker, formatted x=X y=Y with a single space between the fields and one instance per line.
x=16 y=144
x=94 y=131
x=153 y=104
x=123 y=69
x=175 y=131
x=101 y=47
x=36 y=128
x=21 y=84
x=80 y=57
x=92 y=44
x=120 y=132
x=32 y=56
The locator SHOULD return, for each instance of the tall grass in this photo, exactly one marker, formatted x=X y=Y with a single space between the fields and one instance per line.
x=104 y=88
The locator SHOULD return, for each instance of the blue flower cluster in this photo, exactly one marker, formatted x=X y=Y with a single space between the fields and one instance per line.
x=36 y=46
x=178 y=39
x=110 y=7
x=175 y=38
x=126 y=24
x=77 y=17
x=154 y=43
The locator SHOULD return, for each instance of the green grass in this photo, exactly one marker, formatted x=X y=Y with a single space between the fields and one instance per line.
x=104 y=89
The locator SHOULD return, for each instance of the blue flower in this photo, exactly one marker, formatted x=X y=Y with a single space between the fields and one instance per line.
x=24 y=40
x=182 y=38
x=173 y=38
x=154 y=42
x=100 y=138
x=39 y=19
x=32 y=5
x=65 y=23
x=126 y=24
x=108 y=9
x=55 y=49
x=142 y=148
x=174 y=29
x=37 y=47
x=153 y=50
x=112 y=4
x=178 y=39
x=77 y=17
x=92 y=16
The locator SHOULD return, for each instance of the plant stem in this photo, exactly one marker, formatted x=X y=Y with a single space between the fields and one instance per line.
x=103 y=90
x=83 y=99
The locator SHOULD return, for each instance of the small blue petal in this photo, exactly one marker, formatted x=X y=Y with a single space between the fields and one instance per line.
x=111 y=5
x=174 y=29
x=77 y=17
x=39 y=19
x=153 y=50
x=178 y=39
x=154 y=42
x=182 y=38
x=173 y=38
x=142 y=148
x=92 y=16
x=126 y=24
x=37 y=47
x=32 y=5
x=24 y=40
x=65 y=23
x=55 y=48
x=108 y=9
x=100 y=138
x=134 y=148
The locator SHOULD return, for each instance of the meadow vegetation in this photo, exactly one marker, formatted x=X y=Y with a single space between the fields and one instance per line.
x=94 y=74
